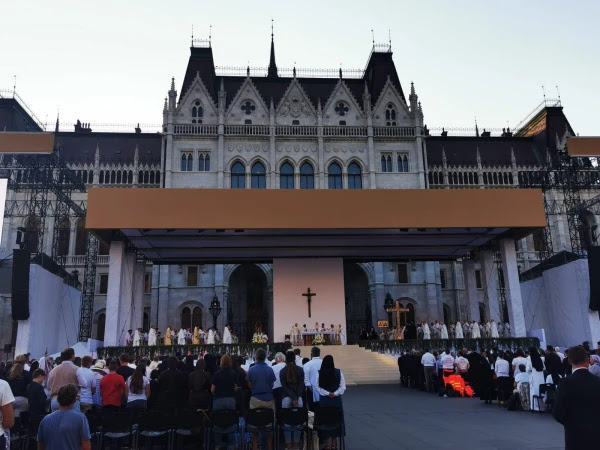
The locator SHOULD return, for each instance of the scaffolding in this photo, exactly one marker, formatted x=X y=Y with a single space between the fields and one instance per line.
x=43 y=180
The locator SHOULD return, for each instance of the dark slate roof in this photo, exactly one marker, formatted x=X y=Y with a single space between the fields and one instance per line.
x=114 y=147
x=494 y=151
x=379 y=67
x=13 y=117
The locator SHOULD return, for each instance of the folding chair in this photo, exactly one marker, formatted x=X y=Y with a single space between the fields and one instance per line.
x=117 y=426
x=293 y=420
x=223 y=422
x=190 y=424
x=153 y=425
x=329 y=424
x=260 y=420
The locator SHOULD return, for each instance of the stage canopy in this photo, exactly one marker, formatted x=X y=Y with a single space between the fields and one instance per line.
x=178 y=226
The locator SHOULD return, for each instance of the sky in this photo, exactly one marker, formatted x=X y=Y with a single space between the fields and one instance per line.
x=112 y=61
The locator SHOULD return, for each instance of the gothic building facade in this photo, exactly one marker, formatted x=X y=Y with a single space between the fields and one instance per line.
x=295 y=129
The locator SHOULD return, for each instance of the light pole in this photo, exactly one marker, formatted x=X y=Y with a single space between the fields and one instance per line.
x=215 y=309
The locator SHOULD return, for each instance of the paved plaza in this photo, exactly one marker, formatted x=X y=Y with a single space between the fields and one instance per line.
x=392 y=417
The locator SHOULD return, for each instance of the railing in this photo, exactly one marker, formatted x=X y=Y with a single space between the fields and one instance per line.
x=196 y=129
x=79 y=260
x=393 y=131
x=345 y=131
x=11 y=93
x=420 y=345
x=246 y=130
x=240 y=71
x=295 y=130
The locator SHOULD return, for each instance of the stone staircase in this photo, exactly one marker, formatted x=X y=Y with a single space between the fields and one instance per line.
x=360 y=366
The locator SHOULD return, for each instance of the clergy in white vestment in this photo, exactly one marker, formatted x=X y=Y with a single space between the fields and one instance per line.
x=181 y=337
x=211 y=337
x=475 y=331
x=295 y=332
x=466 y=326
x=426 y=331
x=227 y=335
x=444 y=331
x=494 y=330
x=137 y=338
x=506 y=330
x=458 y=330
x=487 y=329
x=128 y=339
x=152 y=337
x=342 y=334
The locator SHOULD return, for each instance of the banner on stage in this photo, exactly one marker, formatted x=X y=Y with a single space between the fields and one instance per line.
x=382 y=324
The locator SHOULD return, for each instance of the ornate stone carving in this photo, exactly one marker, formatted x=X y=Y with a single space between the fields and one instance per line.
x=247 y=147
x=343 y=148
x=303 y=147
x=295 y=106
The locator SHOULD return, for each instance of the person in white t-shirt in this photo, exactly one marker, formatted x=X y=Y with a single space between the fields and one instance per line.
x=462 y=364
x=428 y=362
x=521 y=377
x=502 y=370
x=7 y=415
x=518 y=360
x=138 y=388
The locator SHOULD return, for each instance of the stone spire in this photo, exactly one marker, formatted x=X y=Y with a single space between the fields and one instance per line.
x=172 y=95
x=57 y=122
x=272 y=71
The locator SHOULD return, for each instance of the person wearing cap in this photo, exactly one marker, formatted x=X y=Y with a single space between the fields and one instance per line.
x=98 y=370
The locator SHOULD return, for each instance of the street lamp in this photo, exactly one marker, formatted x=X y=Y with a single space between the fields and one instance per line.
x=215 y=309
x=387 y=305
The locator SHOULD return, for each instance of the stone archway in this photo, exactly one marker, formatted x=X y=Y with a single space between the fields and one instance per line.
x=358 y=304
x=248 y=301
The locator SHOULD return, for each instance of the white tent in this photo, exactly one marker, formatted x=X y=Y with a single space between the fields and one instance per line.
x=81 y=349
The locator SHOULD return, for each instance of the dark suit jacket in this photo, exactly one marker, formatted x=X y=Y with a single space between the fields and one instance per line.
x=577 y=407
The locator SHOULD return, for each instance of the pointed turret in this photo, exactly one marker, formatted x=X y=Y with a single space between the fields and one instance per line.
x=272 y=72
x=57 y=123
x=172 y=95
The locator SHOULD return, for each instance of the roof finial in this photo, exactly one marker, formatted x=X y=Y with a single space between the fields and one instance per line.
x=294 y=72
x=272 y=71
x=248 y=70
x=57 y=121
x=558 y=92
x=476 y=127
x=373 y=36
x=390 y=38
x=192 y=35
x=340 y=71
x=172 y=83
x=210 y=35
x=544 y=93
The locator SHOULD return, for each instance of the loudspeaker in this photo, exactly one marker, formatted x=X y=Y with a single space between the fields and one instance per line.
x=594 y=268
x=7 y=348
x=20 y=285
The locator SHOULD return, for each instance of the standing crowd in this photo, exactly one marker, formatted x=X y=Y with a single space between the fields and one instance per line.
x=68 y=390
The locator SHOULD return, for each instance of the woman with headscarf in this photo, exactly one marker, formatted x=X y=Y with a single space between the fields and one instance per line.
x=199 y=386
x=331 y=385
x=535 y=369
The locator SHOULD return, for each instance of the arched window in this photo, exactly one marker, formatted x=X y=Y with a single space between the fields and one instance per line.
x=197 y=112
x=90 y=177
x=354 y=176
x=307 y=176
x=183 y=162
x=64 y=235
x=101 y=177
x=388 y=162
x=207 y=163
x=482 y=317
x=334 y=176
x=258 y=176
x=238 y=176
x=383 y=165
x=113 y=176
x=186 y=318
x=130 y=177
x=100 y=327
x=146 y=322
x=196 y=317
x=201 y=163
x=286 y=176
x=447 y=314
x=402 y=163
x=430 y=177
x=410 y=315
x=146 y=177
x=390 y=115
x=80 y=238
x=140 y=177
x=152 y=177
x=119 y=177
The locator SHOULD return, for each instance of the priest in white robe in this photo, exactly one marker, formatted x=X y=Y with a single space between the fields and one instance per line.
x=494 y=329
x=475 y=331
x=488 y=329
x=152 y=337
x=227 y=335
x=444 y=331
x=181 y=337
x=342 y=334
x=506 y=330
x=211 y=337
x=295 y=333
x=128 y=339
x=137 y=338
x=426 y=331
x=458 y=330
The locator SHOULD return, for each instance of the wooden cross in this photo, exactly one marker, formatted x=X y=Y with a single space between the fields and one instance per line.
x=398 y=310
x=309 y=296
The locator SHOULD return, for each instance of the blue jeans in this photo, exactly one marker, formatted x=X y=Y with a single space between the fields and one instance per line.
x=222 y=434
x=55 y=406
x=291 y=433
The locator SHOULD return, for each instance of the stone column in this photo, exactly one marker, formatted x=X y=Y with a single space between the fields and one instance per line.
x=431 y=291
x=163 y=299
x=49 y=235
x=489 y=281
x=471 y=290
x=378 y=298
x=72 y=237
x=514 y=301
x=137 y=310
x=154 y=296
x=119 y=294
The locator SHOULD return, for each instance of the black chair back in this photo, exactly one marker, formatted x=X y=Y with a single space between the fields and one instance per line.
x=153 y=421
x=329 y=416
x=260 y=417
x=189 y=419
x=116 y=422
x=224 y=418
x=293 y=416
